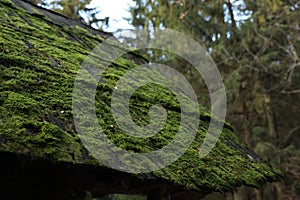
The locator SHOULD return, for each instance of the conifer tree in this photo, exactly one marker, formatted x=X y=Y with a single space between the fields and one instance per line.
x=255 y=46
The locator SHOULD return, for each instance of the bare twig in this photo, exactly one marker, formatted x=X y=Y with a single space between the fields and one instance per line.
x=290 y=92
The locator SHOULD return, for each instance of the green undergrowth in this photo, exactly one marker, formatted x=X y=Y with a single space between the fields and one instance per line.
x=39 y=62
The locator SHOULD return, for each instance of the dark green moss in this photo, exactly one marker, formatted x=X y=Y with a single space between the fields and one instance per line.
x=7 y=3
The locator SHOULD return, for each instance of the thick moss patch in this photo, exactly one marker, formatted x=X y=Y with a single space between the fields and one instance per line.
x=39 y=60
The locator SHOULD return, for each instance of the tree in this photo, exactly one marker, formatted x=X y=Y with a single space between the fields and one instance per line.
x=270 y=45
x=254 y=44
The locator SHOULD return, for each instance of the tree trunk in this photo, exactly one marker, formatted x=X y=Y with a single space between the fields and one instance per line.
x=272 y=133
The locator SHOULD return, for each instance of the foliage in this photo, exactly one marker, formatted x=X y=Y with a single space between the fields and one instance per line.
x=255 y=45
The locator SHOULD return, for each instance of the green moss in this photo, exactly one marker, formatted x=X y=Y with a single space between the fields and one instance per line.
x=38 y=64
x=82 y=30
x=21 y=104
x=8 y=3
x=37 y=12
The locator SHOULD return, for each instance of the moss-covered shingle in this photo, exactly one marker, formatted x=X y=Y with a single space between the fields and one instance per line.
x=40 y=54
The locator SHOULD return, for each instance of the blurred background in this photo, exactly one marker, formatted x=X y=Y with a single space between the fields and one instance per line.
x=256 y=46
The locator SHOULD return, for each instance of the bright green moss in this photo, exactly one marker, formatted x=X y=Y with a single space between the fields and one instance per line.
x=21 y=104
x=82 y=30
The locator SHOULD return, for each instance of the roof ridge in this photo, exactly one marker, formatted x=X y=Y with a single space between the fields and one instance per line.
x=56 y=17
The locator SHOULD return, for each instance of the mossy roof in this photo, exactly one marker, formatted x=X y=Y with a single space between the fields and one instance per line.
x=40 y=54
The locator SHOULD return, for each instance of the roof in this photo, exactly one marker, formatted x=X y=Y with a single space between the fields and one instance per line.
x=40 y=54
